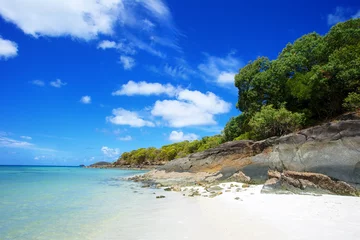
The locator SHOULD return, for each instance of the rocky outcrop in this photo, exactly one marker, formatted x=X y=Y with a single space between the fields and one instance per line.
x=332 y=149
x=304 y=182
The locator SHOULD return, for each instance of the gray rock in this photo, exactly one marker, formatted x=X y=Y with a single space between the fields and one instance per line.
x=332 y=149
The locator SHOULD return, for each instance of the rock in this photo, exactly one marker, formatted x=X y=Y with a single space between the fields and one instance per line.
x=307 y=181
x=214 y=189
x=145 y=186
x=240 y=177
x=330 y=149
x=245 y=185
x=161 y=196
x=227 y=190
x=176 y=188
x=194 y=194
x=168 y=189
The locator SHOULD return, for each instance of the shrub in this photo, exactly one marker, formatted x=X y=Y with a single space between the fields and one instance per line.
x=352 y=101
x=274 y=122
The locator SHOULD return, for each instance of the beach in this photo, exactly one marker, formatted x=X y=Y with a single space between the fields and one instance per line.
x=40 y=203
x=252 y=216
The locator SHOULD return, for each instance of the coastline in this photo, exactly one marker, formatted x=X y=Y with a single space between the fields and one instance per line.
x=245 y=214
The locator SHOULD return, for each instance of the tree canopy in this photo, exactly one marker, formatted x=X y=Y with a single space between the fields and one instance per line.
x=316 y=76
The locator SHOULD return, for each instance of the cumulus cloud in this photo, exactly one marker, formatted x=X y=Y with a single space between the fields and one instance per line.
x=38 y=83
x=176 y=136
x=220 y=70
x=110 y=152
x=143 y=88
x=126 y=138
x=8 y=49
x=127 y=62
x=58 y=83
x=106 y=44
x=192 y=108
x=26 y=137
x=341 y=14
x=125 y=117
x=84 y=19
x=85 y=100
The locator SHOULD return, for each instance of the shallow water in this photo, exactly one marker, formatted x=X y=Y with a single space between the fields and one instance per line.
x=64 y=202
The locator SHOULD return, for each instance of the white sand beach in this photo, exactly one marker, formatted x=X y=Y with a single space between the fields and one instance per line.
x=252 y=216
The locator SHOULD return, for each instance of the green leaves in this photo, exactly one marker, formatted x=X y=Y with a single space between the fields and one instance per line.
x=154 y=156
x=274 y=122
x=313 y=75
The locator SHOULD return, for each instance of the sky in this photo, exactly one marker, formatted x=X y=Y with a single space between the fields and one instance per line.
x=86 y=80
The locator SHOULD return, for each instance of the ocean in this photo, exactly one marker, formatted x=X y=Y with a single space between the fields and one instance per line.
x=51 y=203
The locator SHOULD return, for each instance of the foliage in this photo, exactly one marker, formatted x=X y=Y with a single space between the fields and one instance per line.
x=235 y=127
x=274 y=122
x=153 y=156
x=314 y=76
x=352 y=101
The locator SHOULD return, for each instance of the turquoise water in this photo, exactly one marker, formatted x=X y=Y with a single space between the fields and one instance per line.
x=64 y=202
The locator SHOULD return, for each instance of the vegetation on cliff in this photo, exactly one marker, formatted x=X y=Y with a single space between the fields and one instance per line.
x=155 y=156
x=313 y=79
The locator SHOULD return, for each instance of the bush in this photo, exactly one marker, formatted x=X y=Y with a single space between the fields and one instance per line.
x=274 y=122
x=352 y=101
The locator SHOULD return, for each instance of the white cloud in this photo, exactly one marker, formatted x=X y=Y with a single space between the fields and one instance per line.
x=8 y=49
x=127 y=62
x=357 y=15
x=143 y=88
x=125 y=117
x=176 y=136
x=338 y=16
x=84 y=19
x=110 y=152
x=26 y=137
x=122 y=46
x=38 y=83
x=176 y=71
x=58 y=83
x=226 y=77
x=11 y=143
x=106 y=44
x=220 y=70
x=192 y=108
x=126 y=138
x=85 y=100
x=341 y=14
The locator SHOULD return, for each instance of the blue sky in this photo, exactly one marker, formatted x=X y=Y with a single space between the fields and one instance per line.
x=83 y=81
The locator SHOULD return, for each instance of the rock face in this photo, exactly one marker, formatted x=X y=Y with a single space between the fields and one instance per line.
x=332 y=149
x=293 y=182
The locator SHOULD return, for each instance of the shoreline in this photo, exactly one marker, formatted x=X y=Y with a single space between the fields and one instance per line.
x=149 y=168
x=244 y=214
